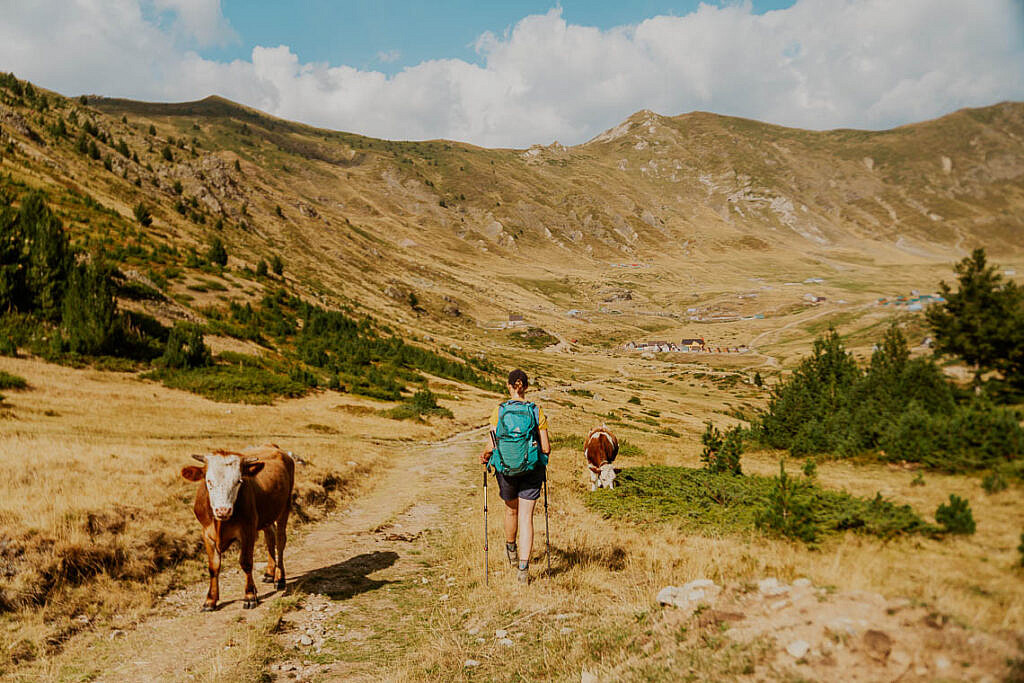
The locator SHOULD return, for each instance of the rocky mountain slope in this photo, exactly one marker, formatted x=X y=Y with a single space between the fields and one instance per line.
x=683 y=203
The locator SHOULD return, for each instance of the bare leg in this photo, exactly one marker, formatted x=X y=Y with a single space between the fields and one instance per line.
x=271 y=541
x=511 y=519
x=525 y=529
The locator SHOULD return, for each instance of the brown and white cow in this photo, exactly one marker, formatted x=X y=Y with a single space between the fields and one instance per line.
x=600 y=449
x=240 y=495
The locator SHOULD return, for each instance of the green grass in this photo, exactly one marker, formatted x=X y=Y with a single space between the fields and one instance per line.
x=724 y=503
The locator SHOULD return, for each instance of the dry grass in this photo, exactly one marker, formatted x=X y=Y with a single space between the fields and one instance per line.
x=605 y=575
x=96 y=520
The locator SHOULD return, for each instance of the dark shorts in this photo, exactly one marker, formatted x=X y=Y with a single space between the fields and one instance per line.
x=525 y=486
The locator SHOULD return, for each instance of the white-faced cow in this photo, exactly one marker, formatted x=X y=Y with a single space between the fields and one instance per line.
x=600 y=449
x=241 y=494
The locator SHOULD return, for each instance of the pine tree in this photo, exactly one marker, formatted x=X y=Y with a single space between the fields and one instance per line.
x=143 y=215
x=90 y=321
x=217 y=254
x=956 y=517
x=983 y=321
x=185 y=348
x=49 y=258
x=13 y=291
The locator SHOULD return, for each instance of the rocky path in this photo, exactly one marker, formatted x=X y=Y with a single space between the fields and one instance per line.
x=366 y=546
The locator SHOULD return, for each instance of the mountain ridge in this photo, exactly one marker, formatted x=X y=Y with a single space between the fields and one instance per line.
x=696 y=199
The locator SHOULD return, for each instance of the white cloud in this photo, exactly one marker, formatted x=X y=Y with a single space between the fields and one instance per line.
x=388 y=56
x=198 y=20
x=818 y=64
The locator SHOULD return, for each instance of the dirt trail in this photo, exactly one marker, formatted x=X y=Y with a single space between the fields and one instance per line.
x=376 y=532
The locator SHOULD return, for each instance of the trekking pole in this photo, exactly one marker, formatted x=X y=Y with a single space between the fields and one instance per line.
x=547 y=531
x=486 y=577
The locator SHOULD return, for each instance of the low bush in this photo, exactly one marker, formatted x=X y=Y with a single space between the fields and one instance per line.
x=722 y=453
x=534 y=337
x=719 y=502
x=902 y=408
x=790 y=509
x=975 y=435
x=422 y=403
x=9 y=381
x=994 y=482
x=956 y=517
x=231 y=384
x=185 y=348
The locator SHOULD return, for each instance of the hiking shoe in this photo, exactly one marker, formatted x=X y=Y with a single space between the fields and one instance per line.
x=523 y=576
x=512 y=553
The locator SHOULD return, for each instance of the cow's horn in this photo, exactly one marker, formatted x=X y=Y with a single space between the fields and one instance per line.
x=200 y=458
x=249 y=459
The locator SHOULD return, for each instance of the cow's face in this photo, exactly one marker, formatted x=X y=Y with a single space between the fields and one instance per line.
x=223 y=474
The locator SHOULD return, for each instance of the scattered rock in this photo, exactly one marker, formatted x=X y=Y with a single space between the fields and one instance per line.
x=941 y=663
x=802 y=583
x=470 y=663
x=771 y=586
x=117 y=633
x=878 y=643
x=689 y=595
x=501 y=633
x=840 y=628
x=798 y=648
x=305 y=640
x=506 y=642
x=610 y=295
x=588 y=677
x=565 y=630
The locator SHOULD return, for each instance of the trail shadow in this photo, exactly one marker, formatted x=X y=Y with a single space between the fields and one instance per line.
x=346 y=579
x=563 y=559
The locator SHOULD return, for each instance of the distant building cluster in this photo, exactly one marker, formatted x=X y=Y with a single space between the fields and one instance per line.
x=915 y=302
x=694 y=345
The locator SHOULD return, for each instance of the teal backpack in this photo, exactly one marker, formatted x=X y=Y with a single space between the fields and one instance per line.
x=516 y=439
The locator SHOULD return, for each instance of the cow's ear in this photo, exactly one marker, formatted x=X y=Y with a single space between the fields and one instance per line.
x=200 y=458
x=192 y=473
x=251 y=467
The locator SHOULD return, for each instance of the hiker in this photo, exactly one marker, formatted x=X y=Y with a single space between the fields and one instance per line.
x=518 y=451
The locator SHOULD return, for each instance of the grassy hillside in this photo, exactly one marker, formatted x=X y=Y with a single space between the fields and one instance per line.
x=703 y=204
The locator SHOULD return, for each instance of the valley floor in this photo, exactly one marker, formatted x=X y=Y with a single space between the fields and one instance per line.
x=388 y=585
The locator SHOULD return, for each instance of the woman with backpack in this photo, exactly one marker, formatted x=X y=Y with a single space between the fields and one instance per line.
x=518 y=451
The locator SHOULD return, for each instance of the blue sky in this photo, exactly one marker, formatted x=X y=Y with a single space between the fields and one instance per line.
x=504 y=74
x=388 y=35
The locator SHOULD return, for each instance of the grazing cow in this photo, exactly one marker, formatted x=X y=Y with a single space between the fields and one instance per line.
x=243 y=494
x=600 y=449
